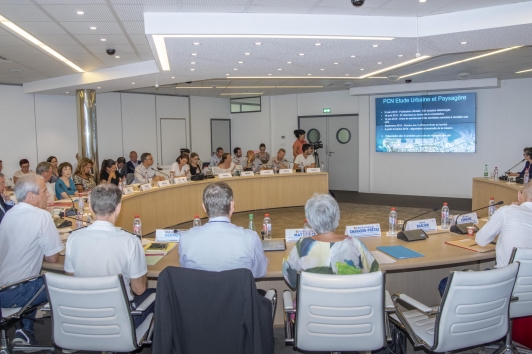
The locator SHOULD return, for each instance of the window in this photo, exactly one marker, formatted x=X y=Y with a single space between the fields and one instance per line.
x=245 y=105
x=343 y=135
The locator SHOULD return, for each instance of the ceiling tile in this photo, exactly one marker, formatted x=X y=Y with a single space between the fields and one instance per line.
x=54 y=39
x=40 y=27
x=101 y=49
x=217 y=2
x=278 y=9
x=94 y=39
x=139 y=39
x=356 y=11
x=213 y=8
x=102 y=28
x=130 y=12
x=291 y=3
x=64 y=13
x=141 y=2
x=69 y=2
x=136 y=27
x=143 y=48
x=17 y=13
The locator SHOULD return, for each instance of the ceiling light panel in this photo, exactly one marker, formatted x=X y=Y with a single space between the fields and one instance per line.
x=83 y=27
x=67 y=12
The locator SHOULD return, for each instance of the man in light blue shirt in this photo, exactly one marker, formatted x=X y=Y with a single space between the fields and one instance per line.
x=220 y=245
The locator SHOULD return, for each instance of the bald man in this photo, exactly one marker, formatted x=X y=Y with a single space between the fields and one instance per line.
x=513 y=224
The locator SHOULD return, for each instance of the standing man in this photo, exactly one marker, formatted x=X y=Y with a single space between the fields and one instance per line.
x=4 y=198
x=220 y=245
x=44 y=169
x=144 y=171
x=306 y=158
x=279 y=161
x=27 y=235
x=237 y=159
x=215 y=159
x=131 y=165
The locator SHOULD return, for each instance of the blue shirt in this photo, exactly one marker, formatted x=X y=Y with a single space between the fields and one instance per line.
x=527 y=165
x=220 y=245
x=60 y=187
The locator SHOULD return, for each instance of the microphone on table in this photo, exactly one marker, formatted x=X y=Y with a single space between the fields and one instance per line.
x=153 y=169
x=414 y=235
x=73 y=210
x=462 y=228
x=504 y=178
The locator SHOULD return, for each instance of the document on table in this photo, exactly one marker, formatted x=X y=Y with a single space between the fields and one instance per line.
x=152 y=260
x=381 y=258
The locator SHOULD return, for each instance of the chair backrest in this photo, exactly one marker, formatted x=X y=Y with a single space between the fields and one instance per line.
x=90 y=313
x=523 y=283
x=340 y=312
x=474 y=308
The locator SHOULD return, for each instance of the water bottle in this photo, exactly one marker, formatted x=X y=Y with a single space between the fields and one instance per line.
x=496 y=174
x=251 y=225
x=392 y=222
x=307 y=230
x=267 y=227
x=274 y=169
x=491 y=209
x=526 y=177
x=79 y=219
x=445 y=217
x=120 y=186
x=81 y=204
x=322 y=167
x=486 y=173
x=197 y=221
x=146 y=176
x=172 y=173
x=137 y=227
x=301 y=167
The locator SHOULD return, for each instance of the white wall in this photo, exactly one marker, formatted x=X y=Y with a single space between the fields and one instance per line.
x=249 y=130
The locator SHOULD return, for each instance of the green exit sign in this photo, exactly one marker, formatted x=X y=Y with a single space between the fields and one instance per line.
x=326 y=110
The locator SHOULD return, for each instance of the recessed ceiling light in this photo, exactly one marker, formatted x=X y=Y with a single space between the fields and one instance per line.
x=463 y=42
x=194 y=54
x=240 y=62
x=15 y=70
x=317 y=44
x=322 y=69
x=66 y=92
x=375 y=46
x=309 y=74
x=227 y=74
x=235 y=69
x=400 y=55
x=103 y=40
x=132 y=83
x=117 y=56
x=361 y=69
x=335 y=63
x=93 y=28
x=258 y=43
x=196 y=43
x=353 y=56
x=80 y=13
x=172 y=77
x=192 y=69
x=288 y=62
x=301 y=54
x=193 y=62
x=280 y=69
x=346 y=74
x=269 y=74
x=379 y=63
x=98 y=87
x=247 y=53
x=422 y=0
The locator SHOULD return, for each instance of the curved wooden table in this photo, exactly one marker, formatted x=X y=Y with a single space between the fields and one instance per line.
x=484 y=188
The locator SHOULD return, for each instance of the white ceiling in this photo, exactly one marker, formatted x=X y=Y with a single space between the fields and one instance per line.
x=120 y=22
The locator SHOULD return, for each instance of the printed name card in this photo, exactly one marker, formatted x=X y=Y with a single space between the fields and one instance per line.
x=468 y=218
x=179 y=180
x=145 y=187
x=363 y=230
x=164 y=183
x=292 y=235
x=247 y=174
x=285 y=170
x=225 y=175
x=425 y=225
x=266 y=172
x=313 y=170
x=170 y=235
x=127 y=190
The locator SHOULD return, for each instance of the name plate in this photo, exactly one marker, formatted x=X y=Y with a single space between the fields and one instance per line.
x=363 y=230
x=285 y=170
x=225 y=175
x=247 y=174
x=313 y=170
x=168 y=235
x=425 y=225
x=127 y=190
x=292 y=235
x=266 y=172
x=145 y=187
x=164 y=183
x=468 y=218
x=180 y=180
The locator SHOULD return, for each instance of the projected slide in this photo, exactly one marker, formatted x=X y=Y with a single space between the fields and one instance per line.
x=429 y=123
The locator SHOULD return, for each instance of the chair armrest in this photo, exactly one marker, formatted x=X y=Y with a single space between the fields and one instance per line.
x=288 y=303
x=388 y=302
x=146 y=303
x=418 y=305
x=270 y=294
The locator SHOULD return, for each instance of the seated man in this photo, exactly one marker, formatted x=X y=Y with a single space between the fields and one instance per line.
x=279 y=161
x=238 y=159
x=102 y=249
x=219 y=245
x=44 y=169
x=251 y=163
x=216 y=158
x=5 y=200
x=144 y=171
x=306 y=159
x=513 y=225
x=27 y=234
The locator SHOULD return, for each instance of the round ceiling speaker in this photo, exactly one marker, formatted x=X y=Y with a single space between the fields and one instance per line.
x=393 y=78
x=464 y=76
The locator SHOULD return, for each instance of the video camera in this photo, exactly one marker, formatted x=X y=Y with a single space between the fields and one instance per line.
x=317 y=145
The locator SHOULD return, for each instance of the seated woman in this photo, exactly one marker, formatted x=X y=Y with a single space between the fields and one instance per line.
x=82 y=177
x=262 y=155
x=194 y=163
x=109 y=172
x=527 y=154
x=226 y=164
x=180 y=167
x=65 y=186
x=326 y=252
x=55 y=174
x=24 y=170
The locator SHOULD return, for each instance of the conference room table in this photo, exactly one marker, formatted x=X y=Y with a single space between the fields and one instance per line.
x=485 y=188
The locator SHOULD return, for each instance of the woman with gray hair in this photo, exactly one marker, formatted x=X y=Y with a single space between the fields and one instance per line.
x=327 y=252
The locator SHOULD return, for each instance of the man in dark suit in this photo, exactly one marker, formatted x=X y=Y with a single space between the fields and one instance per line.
x=131 y=164
x=3 y=206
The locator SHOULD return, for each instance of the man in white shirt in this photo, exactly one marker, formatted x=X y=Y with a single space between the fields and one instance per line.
x=215 y=159
x=144 y=171
x=27 y=235
x=306 y=158
x=513 y=225
x=118 y=252
x=44 y=169
x=220 y=245
x=237 y=159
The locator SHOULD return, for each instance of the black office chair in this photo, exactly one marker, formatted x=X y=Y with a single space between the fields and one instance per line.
x=9 y=316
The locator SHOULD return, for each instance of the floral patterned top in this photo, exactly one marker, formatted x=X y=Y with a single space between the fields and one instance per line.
x=349 y=256
x=86 y=183
x=263 y=159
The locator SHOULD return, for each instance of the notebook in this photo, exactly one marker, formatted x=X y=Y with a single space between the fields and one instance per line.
x=399 y=252
x=470 y=244
x=273 y=245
